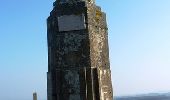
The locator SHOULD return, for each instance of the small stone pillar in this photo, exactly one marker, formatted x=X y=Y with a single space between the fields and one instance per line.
x=34 y=96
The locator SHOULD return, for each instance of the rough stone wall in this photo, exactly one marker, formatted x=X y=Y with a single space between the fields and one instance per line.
x=68 y=48
x=98 y=37
x=99 y=53
x=77 y=53
x=105 y=84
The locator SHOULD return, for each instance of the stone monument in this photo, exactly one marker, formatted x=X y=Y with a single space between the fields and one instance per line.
x=34 y=96
x=78 y=55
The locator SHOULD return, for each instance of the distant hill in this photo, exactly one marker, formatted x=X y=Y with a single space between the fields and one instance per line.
x=152 y=96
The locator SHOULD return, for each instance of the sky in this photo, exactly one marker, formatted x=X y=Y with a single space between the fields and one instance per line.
x=139 y=45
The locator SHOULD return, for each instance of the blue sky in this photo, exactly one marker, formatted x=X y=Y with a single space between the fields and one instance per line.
x=139 y=40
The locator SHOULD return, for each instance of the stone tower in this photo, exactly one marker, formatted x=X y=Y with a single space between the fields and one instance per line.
x=78 y=55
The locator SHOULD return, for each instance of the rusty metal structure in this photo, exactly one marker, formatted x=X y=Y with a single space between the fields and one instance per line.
x=78 y=55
